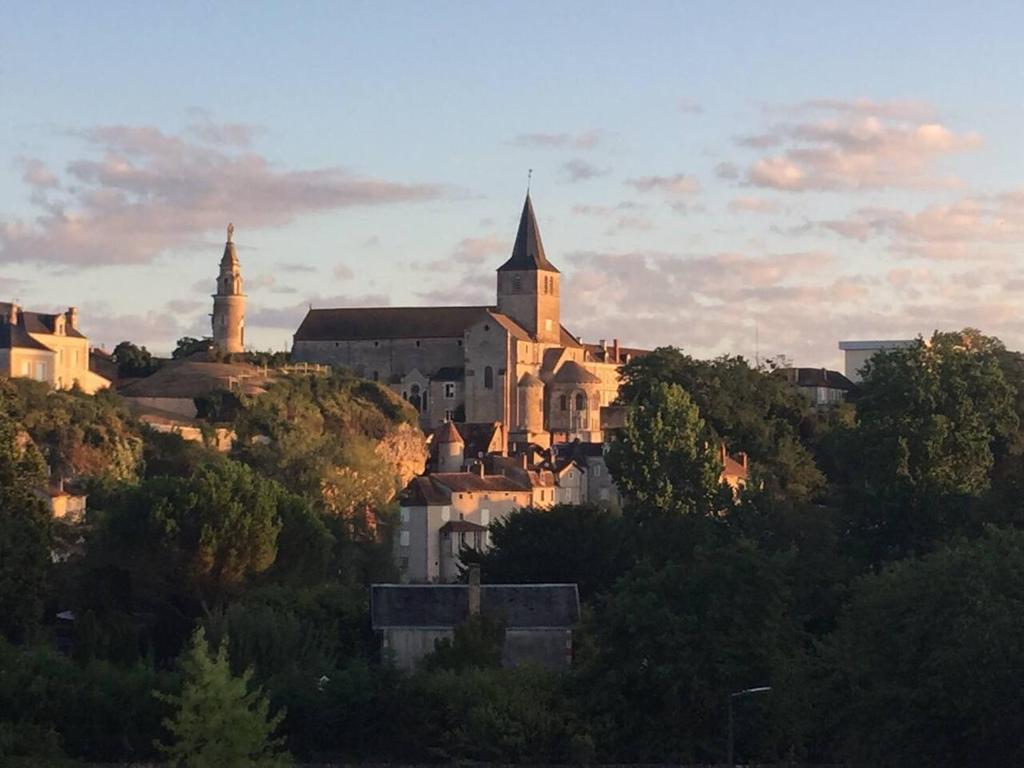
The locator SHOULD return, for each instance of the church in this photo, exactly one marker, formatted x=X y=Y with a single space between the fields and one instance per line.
x=512 y=364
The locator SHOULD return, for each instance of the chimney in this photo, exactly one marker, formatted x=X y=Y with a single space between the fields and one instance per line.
x=12 y=316
x=615 y=350
x=604 y=346
x=72 y=315
x=474 y=589
x=524 y=460
x=477 y=468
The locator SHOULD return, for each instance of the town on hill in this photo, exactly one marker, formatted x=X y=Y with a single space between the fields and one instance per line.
x=438 y=534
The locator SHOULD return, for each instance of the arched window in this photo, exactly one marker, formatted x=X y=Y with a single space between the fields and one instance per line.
x=581 y=402
x=414 y=397
x=488 y=377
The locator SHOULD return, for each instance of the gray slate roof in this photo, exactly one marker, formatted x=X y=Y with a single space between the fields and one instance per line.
x=15 y=337
x=528 y=251
x=519 y=606
x=371 y=323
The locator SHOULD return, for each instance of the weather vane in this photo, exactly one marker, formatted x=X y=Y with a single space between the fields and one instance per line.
x=231 y=231
x=529 y=178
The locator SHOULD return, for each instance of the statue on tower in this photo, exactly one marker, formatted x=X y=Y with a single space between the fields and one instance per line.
x=231 y=231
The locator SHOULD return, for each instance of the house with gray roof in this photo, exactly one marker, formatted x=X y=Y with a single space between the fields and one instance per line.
x=538 y=619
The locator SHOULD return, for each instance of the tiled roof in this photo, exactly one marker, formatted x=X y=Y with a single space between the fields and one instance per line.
x=447 y=433
x=461 y=526
x=816 y=377
x=470 y=482
x=604 y=354
x=421 y=492
x=519 y=606
x=15 y=337
x=370 y=323
x=514 y=329
x=528 y=251
x=572 y=372
x=38 y=322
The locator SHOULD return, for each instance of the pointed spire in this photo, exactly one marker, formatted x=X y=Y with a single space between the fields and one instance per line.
x=528 y=252
x=230 y=258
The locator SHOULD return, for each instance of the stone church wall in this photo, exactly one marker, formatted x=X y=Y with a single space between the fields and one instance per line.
x=386 y=357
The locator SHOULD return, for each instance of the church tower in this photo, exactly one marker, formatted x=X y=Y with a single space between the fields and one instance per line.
x=229 y=302
x=528 y=287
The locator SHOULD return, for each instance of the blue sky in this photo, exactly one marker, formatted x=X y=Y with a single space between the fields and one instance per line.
x=704 y=173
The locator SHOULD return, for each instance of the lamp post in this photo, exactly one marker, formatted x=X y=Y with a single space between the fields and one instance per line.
x=736 y=695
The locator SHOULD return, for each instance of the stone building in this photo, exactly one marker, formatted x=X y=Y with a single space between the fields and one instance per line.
x=46 y=347
x=538 y=619
x=228 y=316
x=512 y=363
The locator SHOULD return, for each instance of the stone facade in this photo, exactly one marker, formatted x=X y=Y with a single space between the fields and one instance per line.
x=512 y=363
x=46 y=347
x=228 y=316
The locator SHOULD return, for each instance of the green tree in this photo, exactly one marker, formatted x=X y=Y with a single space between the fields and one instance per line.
x=583 y=545
x=218 y=720
x=926 y=664
x=662 y=459
x=189 y=345
x=133 y=360
x=476 y=643
x=748 y=409
x=25 y=532
x=930 y=420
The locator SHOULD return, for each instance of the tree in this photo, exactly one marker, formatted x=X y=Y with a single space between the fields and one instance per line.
x=476 y=643
x=663 y=650
x=930 y=420
x=189 y=345
x=583 y=545
x=25 y=531
x=218 y=720
x=133 y=360
x=662 y=459
x=926 y=664
x=749 y=409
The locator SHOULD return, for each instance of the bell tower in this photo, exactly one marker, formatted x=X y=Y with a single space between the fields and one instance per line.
x=229 y=302
x=528 y=284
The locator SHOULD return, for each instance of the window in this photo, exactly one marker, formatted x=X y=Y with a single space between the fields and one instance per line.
x=405 y=514
x=449 y=415
x=403 y=539
x=596 y=470
x=548 y=325
x=581 y=402
x=446 y=514
x=417 y=343
x=376 y=376
x=485 y=517
x=40 y=371
x=488 y=377
x=376 y=344
x=517 y=283
x=449 y=390
x=26 y=368
x=563 y=403
x=487 y=327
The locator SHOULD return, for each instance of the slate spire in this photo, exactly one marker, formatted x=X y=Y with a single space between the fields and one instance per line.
x=528 y=252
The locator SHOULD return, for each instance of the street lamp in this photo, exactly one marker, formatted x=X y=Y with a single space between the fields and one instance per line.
x=736 y=695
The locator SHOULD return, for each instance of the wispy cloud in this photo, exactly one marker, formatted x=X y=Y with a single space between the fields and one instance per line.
x=578 y=141
x=139 y=192
x=837 y=145
x=580 y=170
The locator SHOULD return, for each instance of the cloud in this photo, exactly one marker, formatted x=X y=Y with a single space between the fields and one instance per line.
x=580 y=170
x=970 y=228
x=690 y=107
x=679 y=190
x=728 y=171
x=140 y=192
x=836 y=145
x=473 y=250
x=606 y=210
x=36 y=175
x=296 y=267
x=753 y=205
x=578 y=141
x=343 y=272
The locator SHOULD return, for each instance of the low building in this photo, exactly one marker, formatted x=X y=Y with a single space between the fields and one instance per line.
x=857 y=353
x=735 y=470
x=46 y=347
x=64 y=503
x=538 y=619
x=820 y=386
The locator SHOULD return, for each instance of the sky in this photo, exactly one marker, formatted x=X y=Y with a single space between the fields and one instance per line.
x=750 y=178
